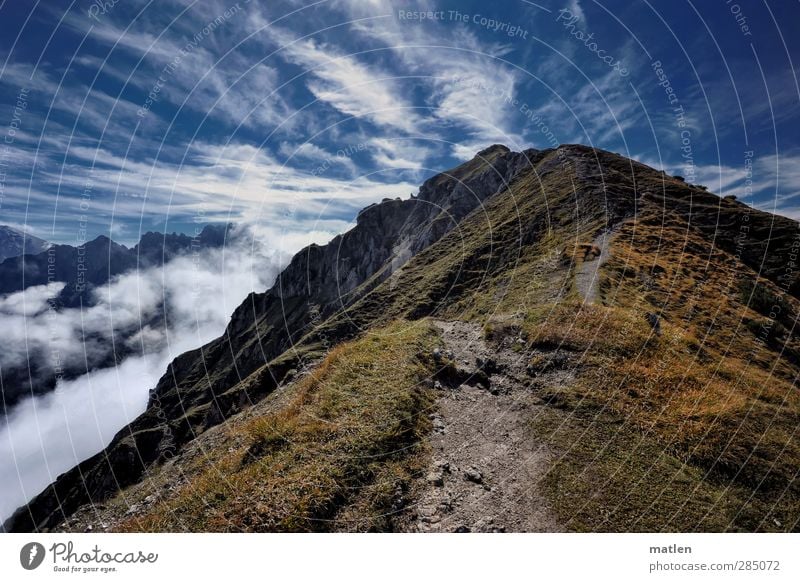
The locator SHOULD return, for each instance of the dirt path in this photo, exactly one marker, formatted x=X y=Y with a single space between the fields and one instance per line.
x=587 y=279
x=486 y=467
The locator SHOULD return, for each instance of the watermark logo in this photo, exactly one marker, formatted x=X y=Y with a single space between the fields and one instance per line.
x=31 y=555
x=568 y=20
x=100 y=8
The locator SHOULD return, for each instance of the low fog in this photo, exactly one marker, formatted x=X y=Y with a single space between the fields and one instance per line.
x=47 y=435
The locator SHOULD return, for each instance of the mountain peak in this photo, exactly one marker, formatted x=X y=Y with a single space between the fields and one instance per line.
x=494 y=149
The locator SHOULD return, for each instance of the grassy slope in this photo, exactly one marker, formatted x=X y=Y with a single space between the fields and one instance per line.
x=335 y=456
x=689 y=428
x=693 y=427
x=706 y=412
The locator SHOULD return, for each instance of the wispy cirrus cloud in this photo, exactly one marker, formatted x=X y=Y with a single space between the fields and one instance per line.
x=347 y=84
x=230 y=182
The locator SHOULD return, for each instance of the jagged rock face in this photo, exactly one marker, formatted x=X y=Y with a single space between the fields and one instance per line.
x=330 y=292
x=94 y=263
x=446 y=199
x=390 y=233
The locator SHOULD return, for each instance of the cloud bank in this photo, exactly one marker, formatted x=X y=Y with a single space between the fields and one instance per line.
x=47 y=435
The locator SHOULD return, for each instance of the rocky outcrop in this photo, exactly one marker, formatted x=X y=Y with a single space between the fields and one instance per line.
x=96 y=262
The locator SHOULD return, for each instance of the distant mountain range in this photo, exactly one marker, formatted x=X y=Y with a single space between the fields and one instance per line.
x=14 y=243
x=84 y=269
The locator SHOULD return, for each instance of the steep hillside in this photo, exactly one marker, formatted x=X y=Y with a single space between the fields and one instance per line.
x=626 y=338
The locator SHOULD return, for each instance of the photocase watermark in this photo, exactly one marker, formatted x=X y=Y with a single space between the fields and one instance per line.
x=6 y=160
x=100 y=8
x=31 y=555
x=20 y=106
x=491 y=24
x=568 y=20
x=10 y=136
x=342 y=155
x=748 y=173
x=530 y=114
x=200 y=222
x=66 y=559
x=56 y=359
x=81 y=236
x=744 y=227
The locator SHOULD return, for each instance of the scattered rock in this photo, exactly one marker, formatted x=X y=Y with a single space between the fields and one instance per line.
x=444 y=466
x=488 y=365
x=454 y=485
x=427 y=512
x=435 y=478
x=472 y=474
x=398 y=499
x=438 y=424
x=446 y=506
x=655 y=322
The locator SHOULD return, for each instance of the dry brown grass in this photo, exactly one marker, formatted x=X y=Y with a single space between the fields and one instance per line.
x=334 y=457
x=702 y=390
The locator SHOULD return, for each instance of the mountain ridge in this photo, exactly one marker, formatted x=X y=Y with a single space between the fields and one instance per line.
x=495 y=240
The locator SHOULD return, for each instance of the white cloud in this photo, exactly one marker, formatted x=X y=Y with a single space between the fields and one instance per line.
x=576 y=10
x=746 y=184
x=47 y=435
x=236 y=182
x=783 y=170
x=399 y=153
x=317 y=156
x=469 y=86
x=347 y=84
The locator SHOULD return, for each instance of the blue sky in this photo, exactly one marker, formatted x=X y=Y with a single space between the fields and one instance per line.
x=127 y=116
